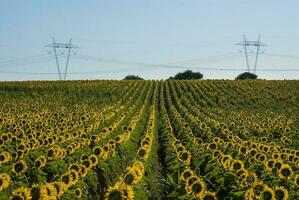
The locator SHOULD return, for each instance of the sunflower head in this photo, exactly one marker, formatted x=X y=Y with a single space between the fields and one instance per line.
x=19 y=167
x=281 y=193
x=21 y=193
x=285 y=172
x=198 y=188
x=78 y=193
x=267 y=193
x=4 y=181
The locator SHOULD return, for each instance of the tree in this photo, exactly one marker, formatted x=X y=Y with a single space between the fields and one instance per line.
x=133 y=77
x=187 y=75
x=246 y=75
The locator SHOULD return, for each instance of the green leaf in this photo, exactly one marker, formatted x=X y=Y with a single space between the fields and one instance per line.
x=238 y=194
x=220 y=181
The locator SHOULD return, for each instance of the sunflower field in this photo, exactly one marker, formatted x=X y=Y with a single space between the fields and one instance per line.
x=113 y=140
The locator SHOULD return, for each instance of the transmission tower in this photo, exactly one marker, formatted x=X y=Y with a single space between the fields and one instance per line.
x=68 y=46
x=246 y=44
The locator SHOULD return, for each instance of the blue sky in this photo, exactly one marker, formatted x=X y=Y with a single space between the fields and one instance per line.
x=187 y=33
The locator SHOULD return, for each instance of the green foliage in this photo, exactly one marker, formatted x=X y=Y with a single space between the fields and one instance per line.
x=133 y=77
x=187 y=75
x=246 y=75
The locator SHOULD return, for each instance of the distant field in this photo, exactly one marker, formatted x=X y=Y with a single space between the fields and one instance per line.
x=207 y=139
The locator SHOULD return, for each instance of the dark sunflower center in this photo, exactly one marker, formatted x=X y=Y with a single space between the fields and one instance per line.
x=184 y=156
x=19 y=167
x=278 y=165
x=285 y=172
x=115 y=195
x=237 y=166
x=186 y=175
x=141 y=153
x=129 y=179
x=2 y=157
x=77 y=192
x=212 y=146
x=196 y=188
x=66 y=179
x=17 y=198
x=38 y=163
x=279 y=194
x=97 y=151
x=270 y=163
x=267 y=195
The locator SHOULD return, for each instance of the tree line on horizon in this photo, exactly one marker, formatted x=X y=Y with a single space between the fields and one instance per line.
x=190 y=75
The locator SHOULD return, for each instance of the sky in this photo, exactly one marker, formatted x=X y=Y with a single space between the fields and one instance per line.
x=154 y=39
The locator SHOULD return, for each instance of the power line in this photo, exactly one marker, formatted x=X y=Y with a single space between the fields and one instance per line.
x=26 y=62
x=23 y=59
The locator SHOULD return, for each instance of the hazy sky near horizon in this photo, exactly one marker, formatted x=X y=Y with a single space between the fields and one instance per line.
x=192 y=34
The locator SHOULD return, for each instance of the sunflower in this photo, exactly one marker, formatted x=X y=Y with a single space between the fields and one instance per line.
x=19 y=167
x=78 y=193
x=66 y=180
x=5 y=157
x=212 y=146
x=59 y=188
x=75 y=176
x=236 y=165
x=186 y=174
x=130 y=177
x=209 y=196
x=285 y=172
x=21 y=193
x=267 y=193
x=281 y=193
x=198 y=188
x=185 y=157
x=190 y=181
x=4 y=181
x=40 y=162
x=269 y=164
x=120 y=191
x=258 y=188
x=48 y=192
x=142 y=153
x=93 y=160
x=86 y=164
x=97 y=150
